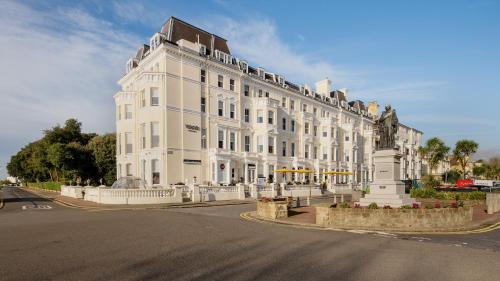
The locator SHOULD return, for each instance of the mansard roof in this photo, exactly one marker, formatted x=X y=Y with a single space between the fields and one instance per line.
x=140 y=54
x=176 y=29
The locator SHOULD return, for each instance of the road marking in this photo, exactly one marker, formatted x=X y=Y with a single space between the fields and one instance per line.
x=38 y=207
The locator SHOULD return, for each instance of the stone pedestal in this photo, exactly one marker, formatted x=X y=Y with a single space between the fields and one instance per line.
x=387 y=188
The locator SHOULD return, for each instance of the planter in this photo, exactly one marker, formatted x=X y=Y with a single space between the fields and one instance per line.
x=272 y=209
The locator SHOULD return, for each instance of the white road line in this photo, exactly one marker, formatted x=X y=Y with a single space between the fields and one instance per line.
x=37 y=207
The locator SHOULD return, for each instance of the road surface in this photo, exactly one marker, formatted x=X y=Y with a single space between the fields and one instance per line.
x=213 y=243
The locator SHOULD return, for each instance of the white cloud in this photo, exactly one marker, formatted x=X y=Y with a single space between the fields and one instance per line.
x=58 y=64
x=257 y=41
x=423 y=91
x=132 y=11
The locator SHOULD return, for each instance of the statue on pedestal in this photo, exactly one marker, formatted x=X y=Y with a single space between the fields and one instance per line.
x=387 y=127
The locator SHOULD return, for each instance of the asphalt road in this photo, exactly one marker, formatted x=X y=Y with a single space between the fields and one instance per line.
x=212 y=243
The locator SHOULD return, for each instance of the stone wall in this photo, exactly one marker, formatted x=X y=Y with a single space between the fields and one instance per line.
x=493 y=202
x=272 y=209
x=394 y=219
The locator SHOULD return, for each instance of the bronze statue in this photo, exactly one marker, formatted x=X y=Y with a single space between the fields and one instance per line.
x=387 y=127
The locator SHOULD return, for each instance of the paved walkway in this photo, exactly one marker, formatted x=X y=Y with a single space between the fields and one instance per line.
x=83 y=204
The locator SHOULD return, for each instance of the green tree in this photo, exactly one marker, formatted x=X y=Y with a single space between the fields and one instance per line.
x=434 y=152
x=464 y=149
x=479 y=171
x=103 y=149
x=61 y=154
x=30 y=163
x=452 y=176
x=492 y=169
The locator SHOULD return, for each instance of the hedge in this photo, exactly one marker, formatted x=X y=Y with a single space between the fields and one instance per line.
x=446 y=195
x=50 y=185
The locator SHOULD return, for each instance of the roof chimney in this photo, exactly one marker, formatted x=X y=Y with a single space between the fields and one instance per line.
x=323 y=87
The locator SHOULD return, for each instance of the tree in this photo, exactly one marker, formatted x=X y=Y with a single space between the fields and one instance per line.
x=452 y=176
x=492 y=169
x=479 y=171
x=464 y=149
x=434 y=152
x=62 y=154
x=103 y=149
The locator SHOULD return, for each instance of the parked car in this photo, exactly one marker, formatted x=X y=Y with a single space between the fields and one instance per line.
x=495 y=188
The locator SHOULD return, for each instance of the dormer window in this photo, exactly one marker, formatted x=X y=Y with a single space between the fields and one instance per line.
x=244 y=66
x=203 y=50
x=130 y=65
x=281 y=80
x=223 y=57
x=155 y=41
x=261 y=72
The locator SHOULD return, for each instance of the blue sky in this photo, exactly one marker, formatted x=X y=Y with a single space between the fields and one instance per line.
x=436 y=62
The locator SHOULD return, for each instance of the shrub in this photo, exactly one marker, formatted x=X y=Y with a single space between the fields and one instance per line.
x=428 y=206
x=423 y=192
x=344 y=205
x=415 y=206
x=441 y=196
x=460 y=203
x=446 y=195
x=454 y=205
x=406 y=207
x=373 y=206
x=429 y=181
x=51 y=185
x=266 y=199
x=437 y=205
x=387 y=207
x=476 y=195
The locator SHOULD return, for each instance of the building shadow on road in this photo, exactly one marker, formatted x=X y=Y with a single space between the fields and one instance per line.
x=25 y=199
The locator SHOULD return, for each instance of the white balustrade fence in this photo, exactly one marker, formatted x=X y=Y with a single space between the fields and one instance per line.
x=72 y=191
x=301 y=190
x=342 y=188
x=216 y=193
x=124 y=196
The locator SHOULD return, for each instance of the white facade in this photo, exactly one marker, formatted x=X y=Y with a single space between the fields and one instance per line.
x=183 y=114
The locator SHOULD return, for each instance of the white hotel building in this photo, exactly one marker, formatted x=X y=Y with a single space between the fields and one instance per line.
x=188 y=109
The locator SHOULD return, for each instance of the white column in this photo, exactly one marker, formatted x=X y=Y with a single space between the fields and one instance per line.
x=275 y=175
x=228 y=167
x=266 y=169
x=246 y=173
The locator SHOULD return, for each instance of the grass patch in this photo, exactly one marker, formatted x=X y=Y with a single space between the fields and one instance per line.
x=50 y=185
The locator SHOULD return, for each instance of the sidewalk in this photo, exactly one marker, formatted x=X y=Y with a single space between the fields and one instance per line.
x=88 y=205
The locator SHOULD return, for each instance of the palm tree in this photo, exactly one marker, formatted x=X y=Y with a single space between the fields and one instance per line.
x=433 y=152
x=463 y=151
